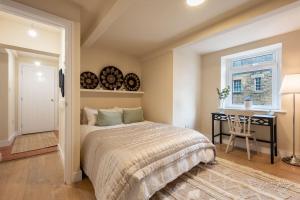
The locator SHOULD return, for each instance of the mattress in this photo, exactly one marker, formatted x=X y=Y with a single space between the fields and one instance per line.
x=133 y=161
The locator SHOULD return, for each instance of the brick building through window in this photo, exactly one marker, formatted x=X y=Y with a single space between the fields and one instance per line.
x=253 y=74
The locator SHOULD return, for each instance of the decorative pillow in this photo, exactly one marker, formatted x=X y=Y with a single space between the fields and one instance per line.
x=131 y=115
x=91 y=115
x=109 y=118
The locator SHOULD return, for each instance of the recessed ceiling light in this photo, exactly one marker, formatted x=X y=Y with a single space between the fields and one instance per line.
x=32 y=33
x=37 y=63
x=194 y=2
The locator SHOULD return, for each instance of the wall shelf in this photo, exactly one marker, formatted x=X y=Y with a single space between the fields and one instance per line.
x=99 y=91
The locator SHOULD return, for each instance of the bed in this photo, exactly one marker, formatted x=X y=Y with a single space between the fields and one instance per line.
x=133 y=161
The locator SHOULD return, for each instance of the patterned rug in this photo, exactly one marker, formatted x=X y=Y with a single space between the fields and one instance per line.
x=227 y=180
x=34 y=141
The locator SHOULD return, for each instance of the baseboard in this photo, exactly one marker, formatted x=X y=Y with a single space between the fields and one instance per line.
x=4 y=143
x=266 y=150
x=77 y=176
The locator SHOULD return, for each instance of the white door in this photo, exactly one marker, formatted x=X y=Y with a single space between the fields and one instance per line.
x=37 y=99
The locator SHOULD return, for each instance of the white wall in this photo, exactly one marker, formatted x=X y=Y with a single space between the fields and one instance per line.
x=62 y=100
x=12 y=128
x=186 y=88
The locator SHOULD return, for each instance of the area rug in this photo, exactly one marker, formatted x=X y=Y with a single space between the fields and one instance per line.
x=227 y=180
x=34 y=141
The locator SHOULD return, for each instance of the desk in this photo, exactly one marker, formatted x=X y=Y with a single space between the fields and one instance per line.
x=260 y=120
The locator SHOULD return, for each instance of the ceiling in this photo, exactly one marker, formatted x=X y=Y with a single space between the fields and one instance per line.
x=286 y=21
x=148 y=25
x=137 y=27
x=91 y=10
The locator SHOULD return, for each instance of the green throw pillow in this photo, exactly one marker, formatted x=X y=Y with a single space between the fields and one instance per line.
x=109 y=118
x=133 y=115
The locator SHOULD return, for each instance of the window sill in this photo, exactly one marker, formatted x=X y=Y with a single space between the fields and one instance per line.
x=256 y=110
x=258 y=92
x=237 y=92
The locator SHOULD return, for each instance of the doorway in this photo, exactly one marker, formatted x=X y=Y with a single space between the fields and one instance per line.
x=69 y=61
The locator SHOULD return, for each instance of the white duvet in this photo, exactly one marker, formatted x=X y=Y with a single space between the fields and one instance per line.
x=134 y=161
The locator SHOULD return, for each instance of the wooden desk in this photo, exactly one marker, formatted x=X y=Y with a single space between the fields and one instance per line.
x=260 y=120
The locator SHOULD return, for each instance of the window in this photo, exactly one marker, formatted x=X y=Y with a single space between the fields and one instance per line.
x=253 y=74
x=257 y=84
x=237 y=86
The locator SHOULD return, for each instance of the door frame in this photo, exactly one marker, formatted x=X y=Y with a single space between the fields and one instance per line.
x=72 y=171
x=21 y=65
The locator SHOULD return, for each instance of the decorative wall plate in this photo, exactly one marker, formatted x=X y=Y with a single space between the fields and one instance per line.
x=88 y=80
x=132 y=82
x=111 y=78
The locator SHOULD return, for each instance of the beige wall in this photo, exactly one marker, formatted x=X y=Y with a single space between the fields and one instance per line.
x=186 y=88
x=4 y=97
x=16 y=35
x=211 y=66
x=94 y=59
x=157 y=76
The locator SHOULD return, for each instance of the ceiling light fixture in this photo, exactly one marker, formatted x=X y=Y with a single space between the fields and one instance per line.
x=37 y=63
x=32 y=33
x=193 y=3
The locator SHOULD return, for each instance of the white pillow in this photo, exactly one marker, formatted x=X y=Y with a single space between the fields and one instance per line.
x=91 y=114
x=132 y=108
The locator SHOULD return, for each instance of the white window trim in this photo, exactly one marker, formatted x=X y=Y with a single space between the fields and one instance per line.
x=226 y=78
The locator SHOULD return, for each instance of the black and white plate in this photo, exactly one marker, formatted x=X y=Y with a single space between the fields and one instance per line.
x=88 y=80
x=132 y=82
x=111 y=78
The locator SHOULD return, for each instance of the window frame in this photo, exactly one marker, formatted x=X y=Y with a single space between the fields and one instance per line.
x=233 y=86
x=227 y=70
x=260 y=84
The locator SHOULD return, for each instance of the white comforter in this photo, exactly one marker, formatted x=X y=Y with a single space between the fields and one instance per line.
x=134 y=161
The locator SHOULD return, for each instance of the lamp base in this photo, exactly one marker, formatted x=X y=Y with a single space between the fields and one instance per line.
x=292 y=160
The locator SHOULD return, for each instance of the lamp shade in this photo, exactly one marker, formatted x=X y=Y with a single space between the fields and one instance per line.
x=290 y=84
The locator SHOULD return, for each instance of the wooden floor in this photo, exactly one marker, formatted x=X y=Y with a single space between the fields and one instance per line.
x=261 y=162
x=41 y=177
